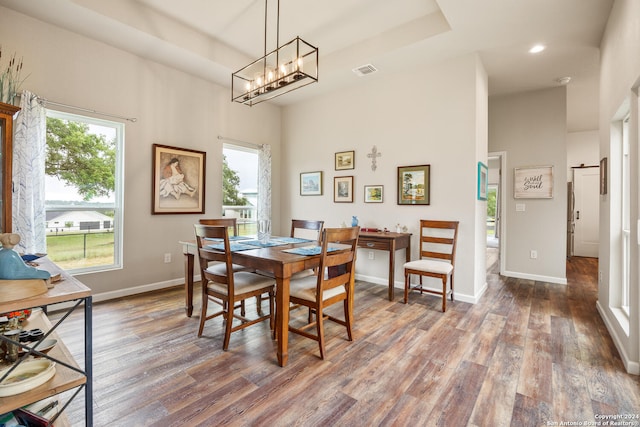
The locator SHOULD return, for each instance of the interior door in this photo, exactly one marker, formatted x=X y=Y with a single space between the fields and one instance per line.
x=586 y=211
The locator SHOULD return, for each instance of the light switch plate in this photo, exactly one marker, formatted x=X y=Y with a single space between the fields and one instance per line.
x=520 y=207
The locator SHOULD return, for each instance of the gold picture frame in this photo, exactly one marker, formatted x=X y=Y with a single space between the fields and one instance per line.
x=345 y=160
x=414 y=185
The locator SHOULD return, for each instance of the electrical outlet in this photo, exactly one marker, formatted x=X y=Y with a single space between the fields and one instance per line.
x=533 y=254
x=371 y=255
x=167 y=258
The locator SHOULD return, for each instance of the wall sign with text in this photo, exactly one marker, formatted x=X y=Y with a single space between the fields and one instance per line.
x=533 y=182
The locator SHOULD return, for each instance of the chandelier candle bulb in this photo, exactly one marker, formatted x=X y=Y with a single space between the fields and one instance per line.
x=283 y=75
x=270 y=80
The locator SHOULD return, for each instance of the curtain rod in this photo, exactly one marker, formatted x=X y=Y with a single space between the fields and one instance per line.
x=237 y=141
x=46 y=101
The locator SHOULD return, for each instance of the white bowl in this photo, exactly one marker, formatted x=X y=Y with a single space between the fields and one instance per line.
x=43 y=347
x=28 y=375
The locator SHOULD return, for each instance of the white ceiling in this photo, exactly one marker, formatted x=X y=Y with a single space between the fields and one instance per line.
x=213 y=38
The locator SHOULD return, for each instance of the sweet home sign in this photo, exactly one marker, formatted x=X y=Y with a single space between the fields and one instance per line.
x=533 y=182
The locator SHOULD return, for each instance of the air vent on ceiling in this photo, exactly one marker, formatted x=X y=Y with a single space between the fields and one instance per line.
x=365 y=70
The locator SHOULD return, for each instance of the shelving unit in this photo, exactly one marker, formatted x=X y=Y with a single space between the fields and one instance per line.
x=69 y=375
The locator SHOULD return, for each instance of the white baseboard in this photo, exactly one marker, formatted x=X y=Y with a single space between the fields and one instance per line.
x=400 y=285
x=105 y=296
x=549 y=279
x=632 y=367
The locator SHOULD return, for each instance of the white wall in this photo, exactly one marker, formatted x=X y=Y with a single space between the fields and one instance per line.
x=583 y=148
x=531 y=128
x=435 y=115
x=619 y=77
x=172 y=108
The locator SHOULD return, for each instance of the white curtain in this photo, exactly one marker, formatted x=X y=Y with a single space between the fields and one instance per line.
x=264 y=182
x=29 y=153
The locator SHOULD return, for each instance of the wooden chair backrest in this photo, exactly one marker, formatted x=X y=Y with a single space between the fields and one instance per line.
x=230 y=223
x=435 y=242
x=205 y=256
x=302 y=224
x=338 y=265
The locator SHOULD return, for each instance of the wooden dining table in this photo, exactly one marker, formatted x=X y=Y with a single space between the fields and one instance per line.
x=282 y=264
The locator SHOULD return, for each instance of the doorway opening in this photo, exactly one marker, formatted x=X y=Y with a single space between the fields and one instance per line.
x=493 y=232
x=495 y=212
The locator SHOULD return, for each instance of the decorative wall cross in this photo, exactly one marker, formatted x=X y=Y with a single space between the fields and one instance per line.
x=373 y=155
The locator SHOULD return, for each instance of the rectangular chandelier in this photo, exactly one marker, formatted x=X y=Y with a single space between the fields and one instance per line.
x=289 y=67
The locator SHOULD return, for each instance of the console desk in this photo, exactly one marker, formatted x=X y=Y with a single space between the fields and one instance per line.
x=390 y=242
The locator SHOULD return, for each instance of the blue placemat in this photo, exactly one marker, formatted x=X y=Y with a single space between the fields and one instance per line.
x=234 y=247
x=308 y=250
x=292 y=239
x=275 y=242
x=231 y=238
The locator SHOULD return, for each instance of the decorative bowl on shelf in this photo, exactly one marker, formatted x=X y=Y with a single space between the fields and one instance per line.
x=26 y=376
x=44 y=347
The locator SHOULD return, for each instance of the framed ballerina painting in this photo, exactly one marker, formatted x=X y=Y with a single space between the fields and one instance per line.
x=178 y=180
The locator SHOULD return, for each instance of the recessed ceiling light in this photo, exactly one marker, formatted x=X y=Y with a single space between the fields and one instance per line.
x=537 y=48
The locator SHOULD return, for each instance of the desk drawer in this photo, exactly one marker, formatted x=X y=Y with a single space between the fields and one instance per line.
x=383 y=245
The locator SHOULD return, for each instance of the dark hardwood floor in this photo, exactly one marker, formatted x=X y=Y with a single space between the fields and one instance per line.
x=528 y=354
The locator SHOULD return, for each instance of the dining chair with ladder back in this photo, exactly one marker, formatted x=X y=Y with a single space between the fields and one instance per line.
x=232 y=226
x=230 y=287
x=437 y=250
x=230 y=223
x=307 y=229
x=303 y=229
x=338 y=250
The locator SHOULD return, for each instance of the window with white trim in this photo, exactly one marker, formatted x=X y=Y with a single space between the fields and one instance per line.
x=84 y=192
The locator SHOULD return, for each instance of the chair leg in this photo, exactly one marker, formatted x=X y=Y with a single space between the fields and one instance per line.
x=259 y=304
x=348 y=317
x=451 y=286
x=320 y=329
x=229 y=324
x=406 y=286
x=274 y=330
x=444 y=294
x=272 y=324
x=203 y=315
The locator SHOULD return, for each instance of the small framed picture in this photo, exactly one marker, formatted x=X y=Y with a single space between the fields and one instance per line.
x=345 y=160
x=413 y=185
x=483 y=181
x=178 y=180
x=311 y=184
x=343 y=189
x=373 y=193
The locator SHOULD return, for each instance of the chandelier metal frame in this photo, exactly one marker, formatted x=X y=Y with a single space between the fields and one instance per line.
x=288 y=67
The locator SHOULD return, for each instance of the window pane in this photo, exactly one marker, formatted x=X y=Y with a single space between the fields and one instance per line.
x=240 y=184
x=626 y=217
x=82 y=195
